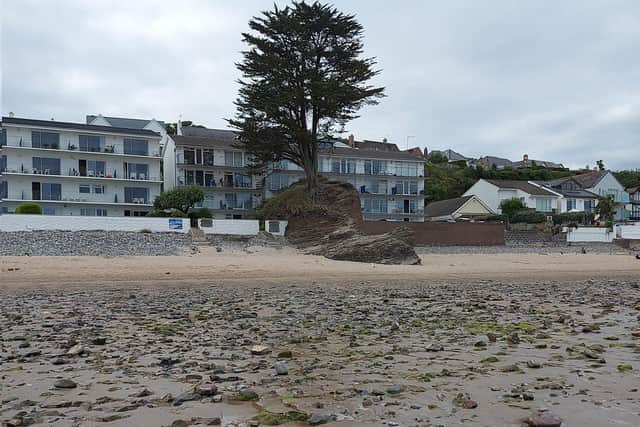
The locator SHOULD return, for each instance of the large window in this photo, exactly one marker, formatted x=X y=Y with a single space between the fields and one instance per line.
x=136 y=195
x=375 y=205
x=4 y=190
x=278 y=181
x=233 y=159
x=375 y=167
x=46 y=166
x=3 y=163
x=136 y=171
x=571 y=204
x=49 y=140
x=91 y=143
x=377 y=187
x=406 y=169
x=3 y=137
x=46 y=191
x=543 y=205
x=207 y=157
x=138 y=147
x=97 y=168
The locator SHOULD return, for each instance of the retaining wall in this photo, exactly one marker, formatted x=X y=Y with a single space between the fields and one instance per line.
x=9 y=223
x=444 y=233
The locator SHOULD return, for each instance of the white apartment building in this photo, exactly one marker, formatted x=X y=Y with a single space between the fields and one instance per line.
x=78 y=169
x=390 y=181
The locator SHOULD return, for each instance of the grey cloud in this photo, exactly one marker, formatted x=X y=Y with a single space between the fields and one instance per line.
x=558 y=80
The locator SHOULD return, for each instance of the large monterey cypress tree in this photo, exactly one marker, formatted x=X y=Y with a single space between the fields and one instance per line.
x=303 y=79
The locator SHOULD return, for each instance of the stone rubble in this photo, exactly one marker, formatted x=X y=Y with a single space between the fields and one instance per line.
x=365 y=354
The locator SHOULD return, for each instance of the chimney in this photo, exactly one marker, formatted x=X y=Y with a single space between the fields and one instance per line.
x=352 y=141
x=525 y=157
x=11 y=114
x=179 y=127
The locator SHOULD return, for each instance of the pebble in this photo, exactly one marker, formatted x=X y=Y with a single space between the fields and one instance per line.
x=65 y=383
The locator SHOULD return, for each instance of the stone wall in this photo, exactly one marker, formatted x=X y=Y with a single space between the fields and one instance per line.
x=92 y=243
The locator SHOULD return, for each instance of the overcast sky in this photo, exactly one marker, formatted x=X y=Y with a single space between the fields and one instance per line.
x=557 y=80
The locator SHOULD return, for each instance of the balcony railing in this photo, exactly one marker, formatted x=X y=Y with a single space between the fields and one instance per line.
x=105 y=149
x=393 y=191
x=76 y=174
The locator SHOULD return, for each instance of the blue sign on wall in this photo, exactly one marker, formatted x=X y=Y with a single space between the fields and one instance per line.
x=175 y=224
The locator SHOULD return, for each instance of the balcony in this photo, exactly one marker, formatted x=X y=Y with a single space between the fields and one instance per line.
x=242 y=205
x=108 y=150
x=394 y=191
x=72 y=173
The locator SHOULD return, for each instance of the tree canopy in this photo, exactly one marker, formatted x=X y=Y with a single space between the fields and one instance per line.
x=303 y=78
x=180 y=198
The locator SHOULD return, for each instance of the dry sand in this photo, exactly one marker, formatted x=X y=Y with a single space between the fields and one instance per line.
x=271 y=266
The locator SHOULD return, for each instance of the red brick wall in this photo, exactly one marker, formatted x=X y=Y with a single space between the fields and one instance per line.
x=444 y=233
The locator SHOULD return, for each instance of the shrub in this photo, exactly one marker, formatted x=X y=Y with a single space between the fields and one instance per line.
x=572 y=217
x=166 y=214
x=29 y=208
x=510 y=206
x=528 y=216
x=200 y=213
x=181 y=198
x=146 y=231
x=496 y=218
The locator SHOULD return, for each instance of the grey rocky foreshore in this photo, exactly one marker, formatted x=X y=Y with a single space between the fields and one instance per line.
x=92 y=243
x=483 y=353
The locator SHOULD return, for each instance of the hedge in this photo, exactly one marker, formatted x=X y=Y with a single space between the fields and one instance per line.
x=528 y=216
x=29 y=208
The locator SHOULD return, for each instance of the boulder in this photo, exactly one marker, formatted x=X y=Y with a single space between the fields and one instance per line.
x=331 y=226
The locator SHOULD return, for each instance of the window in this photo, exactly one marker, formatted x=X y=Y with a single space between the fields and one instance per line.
x=3 y=137
x=136 y=195
x=241 y=181
x=571 y=204
x=209 y=180
x=134 y=213
x=335 y=165
x=4 y=190
x=3 y=163
x=278 y=182
x=136 y=171
x=92 y=168
x=375 y=167
x=98 y=189
x=87 y=212
x=50 y=191
x=406 y=169
x=375 y=205
x=91 y=143
x=46 y=166
x=138 y=147
x=348 y=166
x=189 y=156
x=233 y=159
x=101 y=212
x=84 y=189
x=48 y=211
x=406 y=206
x=189 y=177
x=543 y=205
x=48 y=140
x=207 y=157
x=199 y=178
x=378 y=187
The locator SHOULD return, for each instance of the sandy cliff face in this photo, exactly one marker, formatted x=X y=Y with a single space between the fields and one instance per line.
x=331 y=227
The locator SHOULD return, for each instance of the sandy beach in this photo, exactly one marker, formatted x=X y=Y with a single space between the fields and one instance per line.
x=275 y=337
x=271 y=266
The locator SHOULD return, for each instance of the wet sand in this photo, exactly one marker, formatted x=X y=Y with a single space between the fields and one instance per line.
x=362 y=345
x=271 y=266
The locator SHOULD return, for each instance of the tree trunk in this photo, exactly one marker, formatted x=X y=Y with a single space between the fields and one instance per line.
x=311 y=175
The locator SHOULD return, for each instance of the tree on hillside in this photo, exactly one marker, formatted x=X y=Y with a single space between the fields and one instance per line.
x=180 y=198
x=303 y=78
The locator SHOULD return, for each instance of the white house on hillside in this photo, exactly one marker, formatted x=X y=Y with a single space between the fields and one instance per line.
x=493 y=191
